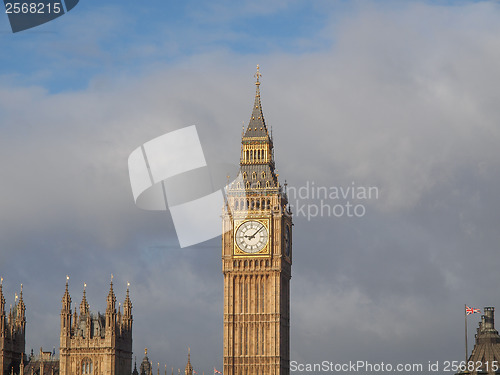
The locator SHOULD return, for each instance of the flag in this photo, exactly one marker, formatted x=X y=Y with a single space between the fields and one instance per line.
x=194 y=372
x=217 y=372
x=471 y=310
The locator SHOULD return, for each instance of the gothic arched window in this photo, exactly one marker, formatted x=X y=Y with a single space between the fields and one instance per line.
x=87 y=367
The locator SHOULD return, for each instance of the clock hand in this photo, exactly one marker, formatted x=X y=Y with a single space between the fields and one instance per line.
x=256 y=233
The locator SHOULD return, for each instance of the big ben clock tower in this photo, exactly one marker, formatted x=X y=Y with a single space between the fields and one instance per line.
x=257 y=259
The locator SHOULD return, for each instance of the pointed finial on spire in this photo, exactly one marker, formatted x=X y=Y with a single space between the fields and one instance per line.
x=66 y=300
x=257 y=75
x=1 y=281
x=146 y=352
x=84 y=299
x=111 y=278
x=15 y=297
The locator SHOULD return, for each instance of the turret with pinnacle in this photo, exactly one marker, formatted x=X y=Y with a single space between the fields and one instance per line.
x=111 y=331
x=111 y=310
x=12 y=332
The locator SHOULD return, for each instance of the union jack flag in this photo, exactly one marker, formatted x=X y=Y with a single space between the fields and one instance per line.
x=217 y=372
x=471 y=310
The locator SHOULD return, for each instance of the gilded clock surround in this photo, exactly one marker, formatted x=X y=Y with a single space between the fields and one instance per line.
x=264 y=251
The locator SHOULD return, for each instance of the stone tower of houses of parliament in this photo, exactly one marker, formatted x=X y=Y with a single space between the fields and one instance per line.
x=90 y=344
x=85 y=335
x=485 y=356
x=12 y=333
x=257 y=258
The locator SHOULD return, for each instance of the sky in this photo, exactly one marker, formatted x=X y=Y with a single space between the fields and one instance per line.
x=398 y=96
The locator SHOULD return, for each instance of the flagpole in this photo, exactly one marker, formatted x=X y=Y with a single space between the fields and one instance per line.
x=466 y=349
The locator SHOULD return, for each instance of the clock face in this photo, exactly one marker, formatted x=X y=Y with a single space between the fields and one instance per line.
x=288 y=244
x=251 y=236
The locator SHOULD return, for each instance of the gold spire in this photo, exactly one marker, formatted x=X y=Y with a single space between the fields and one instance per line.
x=257 y=75
x=189 y=367
x=2 y=299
